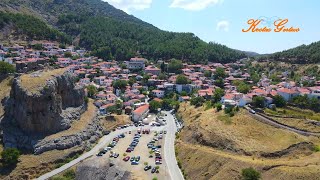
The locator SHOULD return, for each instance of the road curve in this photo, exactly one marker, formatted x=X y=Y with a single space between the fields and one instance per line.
x=169 y=150
x=101 y=144
x=277 y=124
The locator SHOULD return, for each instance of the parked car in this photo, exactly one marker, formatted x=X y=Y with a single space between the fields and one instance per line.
x=100 y=154
x=137 y=158
x=132 y=158
x=153 y=170
x=126 y=158
x=116 y=155
x=147 y=168
x=158 y=162
x=134 y=162
x=252 y=111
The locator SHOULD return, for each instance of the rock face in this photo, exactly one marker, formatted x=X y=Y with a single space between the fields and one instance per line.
x=30 y=117
x=91 y=134
x=93 y=170
x=43 y=113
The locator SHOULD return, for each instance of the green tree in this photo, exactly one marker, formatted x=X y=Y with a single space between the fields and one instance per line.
x=250 y=174
x=132 y=81
x=258 y=101
x=155 y=105
x=10 y=156
x=220 y=73
x=219 y=82
x=92 y=90
x=207 y=73
x=162 y=76
x=243 y=88
x=67 y=54
x=218 y=106
x=175 y=66
x=181 y=79
x=218 y=94
x=183 y=93
x=119 y=84
x=279 y=101
x=6 y=68
x=197 y=101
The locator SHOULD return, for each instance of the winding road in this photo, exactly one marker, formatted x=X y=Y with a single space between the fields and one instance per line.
x=169 y=151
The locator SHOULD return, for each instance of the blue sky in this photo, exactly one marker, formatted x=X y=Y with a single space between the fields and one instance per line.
x=222 y=20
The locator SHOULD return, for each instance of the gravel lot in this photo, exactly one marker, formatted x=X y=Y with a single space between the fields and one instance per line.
x=141 y=150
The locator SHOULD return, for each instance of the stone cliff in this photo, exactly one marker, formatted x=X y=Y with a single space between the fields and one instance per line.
x=40 y=104
x=42 y=112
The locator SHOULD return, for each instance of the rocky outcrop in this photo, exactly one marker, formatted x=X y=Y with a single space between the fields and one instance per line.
x=91 y=134
x=93 y=170
x=30 y=117
x=42 y=113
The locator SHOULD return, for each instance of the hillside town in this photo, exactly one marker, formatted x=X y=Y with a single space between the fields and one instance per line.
x=128 y=87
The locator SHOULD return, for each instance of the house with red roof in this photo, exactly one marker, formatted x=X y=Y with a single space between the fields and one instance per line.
x=140 y=113
x=158 y=93
x=287 y=94
x=152 y=70
x=136 y=63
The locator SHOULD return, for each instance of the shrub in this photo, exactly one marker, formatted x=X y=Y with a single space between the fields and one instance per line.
x=10 y=156
x=316 y=148
x=250 y=174
x=218 y=106
x=6 y=68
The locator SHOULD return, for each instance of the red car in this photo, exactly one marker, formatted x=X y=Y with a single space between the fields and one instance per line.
x=129 y=150
x=126 y=158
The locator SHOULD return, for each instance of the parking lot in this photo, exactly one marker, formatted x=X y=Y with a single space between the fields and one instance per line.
x=140 y=153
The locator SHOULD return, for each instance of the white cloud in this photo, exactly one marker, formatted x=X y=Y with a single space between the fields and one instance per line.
x=223 y=25
x=130 y=5
x=193 y=5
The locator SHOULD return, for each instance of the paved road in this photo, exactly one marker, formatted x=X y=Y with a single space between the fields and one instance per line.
x=169 y=150
x=277 y=124
x=101 y=144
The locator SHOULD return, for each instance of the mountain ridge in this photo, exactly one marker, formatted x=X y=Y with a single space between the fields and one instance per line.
x=112 y=34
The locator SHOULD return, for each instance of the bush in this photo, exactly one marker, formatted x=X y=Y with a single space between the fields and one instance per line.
x=218 y=106
x=316 y=148
x=197 y=101
x=86 y=99
x=6 y=68
x=250 y=174
x=10 y=156
x=279 y=101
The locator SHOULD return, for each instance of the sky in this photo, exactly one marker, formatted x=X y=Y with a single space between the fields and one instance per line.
x=222 y=21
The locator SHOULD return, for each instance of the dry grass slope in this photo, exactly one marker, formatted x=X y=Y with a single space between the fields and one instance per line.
x=35 y=82
x=219 y=147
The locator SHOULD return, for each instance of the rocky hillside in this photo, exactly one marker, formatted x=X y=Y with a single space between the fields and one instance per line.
x=40 y=104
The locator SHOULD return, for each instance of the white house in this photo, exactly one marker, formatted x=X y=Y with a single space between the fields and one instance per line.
x=287 y=94
x=158 y=93
x=244 y=101
x=315 y=92
x=136 y=63
x=140 y=113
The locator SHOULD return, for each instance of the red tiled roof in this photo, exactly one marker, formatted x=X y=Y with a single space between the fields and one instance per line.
x=141 y=109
